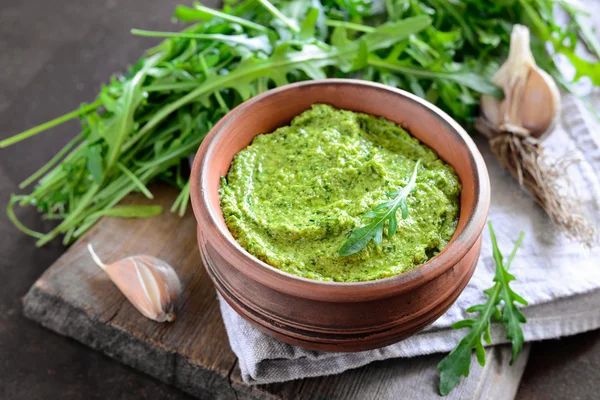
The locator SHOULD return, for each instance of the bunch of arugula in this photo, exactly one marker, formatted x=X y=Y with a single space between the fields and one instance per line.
x=145 y=123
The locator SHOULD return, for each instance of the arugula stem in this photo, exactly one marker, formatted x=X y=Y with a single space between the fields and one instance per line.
x=68 y=236
x=588 y=36
x=112 y=188
x=349 y=25
x=50 y=124
x=52 y=162
x=174 y=154
x=88 y=220
x=262 y=85
x=53 y=216
x=136 y=181
x=201 y=13
x=182 y=200
x=184 y=35
x=223 y=63
x=276 y=13
x=41 y=191
x=73 y=217
x=171 y=86
x=13 y=218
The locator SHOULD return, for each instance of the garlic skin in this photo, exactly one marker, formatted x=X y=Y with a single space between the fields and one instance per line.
x=150 y=284
x=531 y=101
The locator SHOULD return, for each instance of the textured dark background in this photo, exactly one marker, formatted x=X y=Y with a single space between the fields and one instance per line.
x=53 y=56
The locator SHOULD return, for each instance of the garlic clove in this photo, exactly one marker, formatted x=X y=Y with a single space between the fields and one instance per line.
x=540 y=103
x=493 y=110
x=150 y=284
x=531 y=97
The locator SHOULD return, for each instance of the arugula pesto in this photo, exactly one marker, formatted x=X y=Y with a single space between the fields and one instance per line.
x=292 y=197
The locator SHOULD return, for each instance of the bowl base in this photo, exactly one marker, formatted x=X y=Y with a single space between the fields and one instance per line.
x=341 y=342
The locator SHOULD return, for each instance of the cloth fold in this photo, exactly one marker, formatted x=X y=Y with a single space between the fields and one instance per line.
x=560 y=279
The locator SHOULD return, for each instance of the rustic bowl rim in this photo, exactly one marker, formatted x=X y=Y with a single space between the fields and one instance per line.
x=457 y=248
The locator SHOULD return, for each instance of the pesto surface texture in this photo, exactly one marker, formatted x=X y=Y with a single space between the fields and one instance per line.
x=292 y=196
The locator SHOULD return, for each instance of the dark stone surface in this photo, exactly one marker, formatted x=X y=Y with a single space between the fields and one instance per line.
x=54 y=55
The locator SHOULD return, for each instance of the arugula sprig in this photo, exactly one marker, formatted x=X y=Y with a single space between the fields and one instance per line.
x=385 y=212
x=457 y=363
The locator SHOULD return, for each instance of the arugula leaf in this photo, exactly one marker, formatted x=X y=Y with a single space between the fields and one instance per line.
x=512 y=316
x=466 y=78
x=458 y=362
x=354 y=8
x=290 y=23
x=95 y=162
x=309 y=26
x=545 y=32
x=385 y=212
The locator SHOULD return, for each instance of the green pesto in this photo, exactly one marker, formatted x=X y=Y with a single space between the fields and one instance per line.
x=292 y=196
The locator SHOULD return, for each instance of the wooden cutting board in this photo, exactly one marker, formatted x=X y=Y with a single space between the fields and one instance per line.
x=76 y=299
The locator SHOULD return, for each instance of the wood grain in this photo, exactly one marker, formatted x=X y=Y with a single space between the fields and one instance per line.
x=76 y=299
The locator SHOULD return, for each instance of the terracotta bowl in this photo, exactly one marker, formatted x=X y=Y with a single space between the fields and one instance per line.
x=332 y=316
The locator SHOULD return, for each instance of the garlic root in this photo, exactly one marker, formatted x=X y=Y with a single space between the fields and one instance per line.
x=545 y=179
x=150 y=284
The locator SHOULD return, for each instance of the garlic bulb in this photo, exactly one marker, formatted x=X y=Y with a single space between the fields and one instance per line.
x=516 y=126
x=531 y=98
x=150 y=284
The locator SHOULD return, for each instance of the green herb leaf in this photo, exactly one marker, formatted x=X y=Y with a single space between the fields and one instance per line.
x=95 y=162
x=309 y=25
x=465 y=77
x=385 y=212
x=512 y=317
x=544 y=31
x=458 y=362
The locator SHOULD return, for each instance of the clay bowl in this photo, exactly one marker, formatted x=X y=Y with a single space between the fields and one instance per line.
x=338 y=316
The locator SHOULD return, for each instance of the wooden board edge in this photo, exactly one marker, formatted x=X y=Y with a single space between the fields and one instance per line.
x=63 y=318
x=500 y=380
